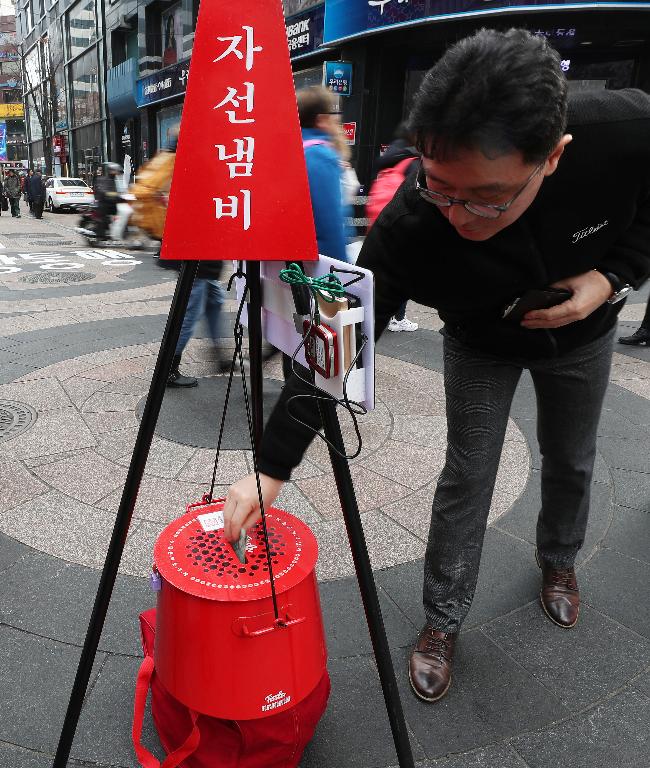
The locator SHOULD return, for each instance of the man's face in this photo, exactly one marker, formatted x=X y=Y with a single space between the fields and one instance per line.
x=476 y=178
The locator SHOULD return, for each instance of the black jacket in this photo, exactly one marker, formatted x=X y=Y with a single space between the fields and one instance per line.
x=593 y=212
x=35 y=188
x=208 y=270
x=106 y=193
x=12 y=186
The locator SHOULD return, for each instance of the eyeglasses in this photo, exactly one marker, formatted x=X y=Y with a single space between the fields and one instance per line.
x=485 y=210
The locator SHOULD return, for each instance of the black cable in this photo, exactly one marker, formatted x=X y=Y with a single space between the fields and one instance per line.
x=352 y=407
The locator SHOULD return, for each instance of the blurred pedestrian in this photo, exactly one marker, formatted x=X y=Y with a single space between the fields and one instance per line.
x=320 y=124
x=107 y=197
x=36 y=192
x=12 y=191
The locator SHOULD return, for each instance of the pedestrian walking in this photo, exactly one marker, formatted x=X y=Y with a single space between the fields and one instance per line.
x=4 y=203
x=506 y=211
x=26 y=195
x=206 y=300
x=36 y=192
x=12 y=191
x=320 y=125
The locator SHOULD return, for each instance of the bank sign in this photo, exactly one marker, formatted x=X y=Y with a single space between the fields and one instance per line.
x=351 y=18
x=163 y=85
x=305 y=31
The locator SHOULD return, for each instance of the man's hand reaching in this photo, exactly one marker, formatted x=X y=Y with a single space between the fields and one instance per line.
x=590 y=290
x=242 y=508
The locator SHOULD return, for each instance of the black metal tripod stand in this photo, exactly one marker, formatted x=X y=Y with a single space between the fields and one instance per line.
x=132 y=486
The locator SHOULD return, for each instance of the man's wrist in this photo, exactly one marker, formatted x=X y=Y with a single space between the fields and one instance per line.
x=620 y=289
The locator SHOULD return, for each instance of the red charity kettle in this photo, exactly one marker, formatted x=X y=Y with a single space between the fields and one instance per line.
x=220 y=649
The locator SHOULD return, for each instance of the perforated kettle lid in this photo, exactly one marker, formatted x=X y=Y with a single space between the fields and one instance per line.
x=193 y=555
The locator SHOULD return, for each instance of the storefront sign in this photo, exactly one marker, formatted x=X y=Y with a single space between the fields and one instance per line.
x=229 y=199
x=3 y=140
x=350 y=18
x=350 y=130
x=12 y=110
x=165 y=84
x=305 y=31
x=337 y=77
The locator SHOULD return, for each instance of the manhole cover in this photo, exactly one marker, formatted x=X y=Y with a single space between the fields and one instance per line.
x=192 y=416
x=56 y=277
x=15 y=418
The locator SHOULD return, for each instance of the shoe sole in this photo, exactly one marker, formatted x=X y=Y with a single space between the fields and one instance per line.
x=426 y=698
x=183 y=386
x=557 y=623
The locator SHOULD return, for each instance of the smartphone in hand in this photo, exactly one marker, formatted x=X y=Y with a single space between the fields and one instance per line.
x=536 y=298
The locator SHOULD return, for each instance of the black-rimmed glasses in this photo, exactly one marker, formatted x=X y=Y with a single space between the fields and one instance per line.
x=485 y=210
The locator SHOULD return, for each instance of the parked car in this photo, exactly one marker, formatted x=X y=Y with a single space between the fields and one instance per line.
x=63 y=194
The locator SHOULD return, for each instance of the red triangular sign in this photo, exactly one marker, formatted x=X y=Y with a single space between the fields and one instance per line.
x=240 y=187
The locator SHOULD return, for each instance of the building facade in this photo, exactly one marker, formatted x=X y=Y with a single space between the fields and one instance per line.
x=13 y=140
x=390 y=44
x=106 y=79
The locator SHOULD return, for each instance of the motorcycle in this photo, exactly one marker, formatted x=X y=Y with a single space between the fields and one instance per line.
x=118 y=232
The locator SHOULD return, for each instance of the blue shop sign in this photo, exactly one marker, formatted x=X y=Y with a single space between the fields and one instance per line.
x=352 y=18
x=305 y=31
x=338 y=77
x=164 y=84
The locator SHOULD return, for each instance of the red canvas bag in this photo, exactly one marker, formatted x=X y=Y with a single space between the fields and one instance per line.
x=193 y=740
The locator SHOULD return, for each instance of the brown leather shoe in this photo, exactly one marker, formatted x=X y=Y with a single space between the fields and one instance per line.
x=560 y=597
x=430 y=664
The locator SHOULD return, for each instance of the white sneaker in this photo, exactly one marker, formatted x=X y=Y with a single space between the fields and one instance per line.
x=402 y=325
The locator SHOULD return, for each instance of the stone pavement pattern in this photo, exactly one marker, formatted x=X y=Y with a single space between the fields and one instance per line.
x=75 y=362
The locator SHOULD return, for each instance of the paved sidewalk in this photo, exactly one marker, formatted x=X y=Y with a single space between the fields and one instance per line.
x=75 y=362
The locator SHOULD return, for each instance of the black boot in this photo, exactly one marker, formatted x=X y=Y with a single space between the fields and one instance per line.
x=642 y=336
x=176 y=378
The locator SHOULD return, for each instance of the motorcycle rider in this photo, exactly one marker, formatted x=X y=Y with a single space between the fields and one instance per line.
x=107 y=197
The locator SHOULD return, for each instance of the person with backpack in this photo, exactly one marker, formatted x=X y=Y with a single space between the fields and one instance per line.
x=395 y=165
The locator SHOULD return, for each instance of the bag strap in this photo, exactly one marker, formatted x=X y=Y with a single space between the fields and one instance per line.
x=315 y=143
x=145 y=758
x=142 y=684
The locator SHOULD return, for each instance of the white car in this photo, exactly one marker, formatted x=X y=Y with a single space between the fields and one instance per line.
x=67 y=194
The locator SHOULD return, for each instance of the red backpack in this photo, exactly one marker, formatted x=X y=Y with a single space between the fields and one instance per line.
x=384 y=187
x=193 y=740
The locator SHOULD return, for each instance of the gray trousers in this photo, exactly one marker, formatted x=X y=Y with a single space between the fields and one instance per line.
x=479 y=389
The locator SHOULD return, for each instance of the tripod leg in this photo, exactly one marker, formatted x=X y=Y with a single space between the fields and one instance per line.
x=367 y=585
x=125 y=512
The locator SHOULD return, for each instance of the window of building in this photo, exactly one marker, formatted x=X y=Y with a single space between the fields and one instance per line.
x=35 y=115
x=81 y=27
x=87 y=149
x=84 y=89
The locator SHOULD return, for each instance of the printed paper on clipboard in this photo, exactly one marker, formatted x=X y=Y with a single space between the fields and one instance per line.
x=278 y=326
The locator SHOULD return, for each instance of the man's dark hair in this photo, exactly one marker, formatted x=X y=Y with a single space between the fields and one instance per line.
x=313 y=101
x=496 y=92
